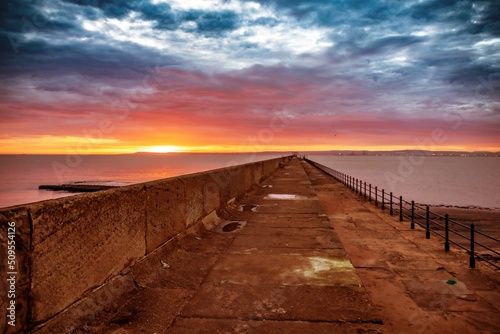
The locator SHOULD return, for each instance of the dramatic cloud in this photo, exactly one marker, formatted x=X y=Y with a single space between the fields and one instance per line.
x=220 y=73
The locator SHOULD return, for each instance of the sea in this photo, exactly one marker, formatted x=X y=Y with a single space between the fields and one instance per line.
x=460 y=181
x=21 y=175
x=433 y=180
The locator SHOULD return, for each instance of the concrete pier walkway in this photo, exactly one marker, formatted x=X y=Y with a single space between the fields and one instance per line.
x=285 y=272
x=278 y=264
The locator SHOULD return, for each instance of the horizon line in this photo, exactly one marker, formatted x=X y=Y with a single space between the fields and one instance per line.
x=273 y=151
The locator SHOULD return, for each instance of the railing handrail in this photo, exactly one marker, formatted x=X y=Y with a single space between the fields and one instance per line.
x=375 y=193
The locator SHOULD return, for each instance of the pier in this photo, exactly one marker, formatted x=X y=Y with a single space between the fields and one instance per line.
x=286 y=248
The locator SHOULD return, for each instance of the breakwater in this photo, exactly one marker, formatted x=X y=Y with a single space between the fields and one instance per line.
x=75 y=253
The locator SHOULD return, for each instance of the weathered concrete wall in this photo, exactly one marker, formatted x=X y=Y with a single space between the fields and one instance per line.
x=79 y=243
x=68 y=247
x=21 y=270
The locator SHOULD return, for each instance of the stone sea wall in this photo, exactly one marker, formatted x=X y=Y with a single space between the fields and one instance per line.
x=61 y=252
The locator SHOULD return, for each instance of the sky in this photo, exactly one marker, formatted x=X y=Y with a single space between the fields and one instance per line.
x=92 y=76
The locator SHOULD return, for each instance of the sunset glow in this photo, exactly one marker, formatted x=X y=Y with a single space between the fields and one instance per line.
x=162 y=149
x=243 y=76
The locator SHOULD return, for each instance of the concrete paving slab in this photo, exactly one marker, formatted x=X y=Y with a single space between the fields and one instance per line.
x=289 y=206
x=479 y=282
x=291 y=241
x=439 y=273
x=151 y=309
x=305 y=303
x=306 y=220
x=211 y=326
x=492 y=297
x=336 y=252
x=284 y=232
x=419 y=285
x=451 y=302
x=483 y=322
x=203 y=241
x=379 y=273
x=284 y=269
x=176 y=270
x=367 y=259
x=422 y=263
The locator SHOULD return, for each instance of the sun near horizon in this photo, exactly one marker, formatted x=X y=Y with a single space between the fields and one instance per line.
x=163 y=149
x=82 y=148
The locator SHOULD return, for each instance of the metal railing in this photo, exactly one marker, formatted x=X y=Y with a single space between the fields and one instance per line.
x=465 y=237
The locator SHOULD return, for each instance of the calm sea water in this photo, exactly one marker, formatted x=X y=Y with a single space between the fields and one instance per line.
x=458 y=181
x=435 y=180
x=20 y=175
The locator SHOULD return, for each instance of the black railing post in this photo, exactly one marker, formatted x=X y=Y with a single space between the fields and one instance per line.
x=365 y=189
x=383 y=199
x=390 y=200
x=357 y=182
x=472 y=262
x=446 y=235
x=400 y=208
x=370 y=193
x=412 y=215
x=376 y=196
x=427 y=224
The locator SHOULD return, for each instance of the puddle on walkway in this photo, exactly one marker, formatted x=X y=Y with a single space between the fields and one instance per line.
x=285 y=196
